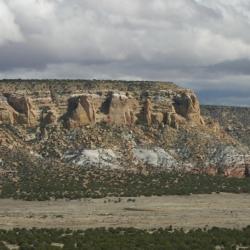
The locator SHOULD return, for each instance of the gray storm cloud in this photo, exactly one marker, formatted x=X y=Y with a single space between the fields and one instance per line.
x=200 y=44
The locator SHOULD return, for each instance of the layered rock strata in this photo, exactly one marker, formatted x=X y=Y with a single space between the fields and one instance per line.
x=81 y=105
x=116 y=123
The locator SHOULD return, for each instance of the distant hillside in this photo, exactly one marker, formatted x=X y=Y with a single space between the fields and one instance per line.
x=235 y=120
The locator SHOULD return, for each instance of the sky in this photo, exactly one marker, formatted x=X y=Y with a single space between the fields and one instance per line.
x=199 y=44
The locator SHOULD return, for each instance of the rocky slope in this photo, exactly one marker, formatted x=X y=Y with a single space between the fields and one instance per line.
x=115 y=125
x=234 y=120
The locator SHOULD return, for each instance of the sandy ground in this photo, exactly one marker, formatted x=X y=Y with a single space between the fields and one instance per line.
x=222 y=210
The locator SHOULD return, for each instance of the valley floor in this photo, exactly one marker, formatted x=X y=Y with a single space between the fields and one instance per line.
x=194 y=211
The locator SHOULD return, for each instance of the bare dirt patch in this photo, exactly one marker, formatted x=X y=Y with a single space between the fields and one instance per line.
x=221 y=210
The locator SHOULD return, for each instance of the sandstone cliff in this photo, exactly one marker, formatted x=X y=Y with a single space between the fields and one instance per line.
x=116 y=124
x=84 y=103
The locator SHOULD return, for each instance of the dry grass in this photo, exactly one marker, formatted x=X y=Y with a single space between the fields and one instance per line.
x=195 y=211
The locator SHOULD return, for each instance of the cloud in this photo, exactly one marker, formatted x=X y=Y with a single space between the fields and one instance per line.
x=9 y=29
x=200 y=44
x=239 y=66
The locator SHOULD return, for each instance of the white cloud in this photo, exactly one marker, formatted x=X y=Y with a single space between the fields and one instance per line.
x=9 y=29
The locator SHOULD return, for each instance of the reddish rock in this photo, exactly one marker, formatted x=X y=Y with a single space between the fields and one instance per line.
x=235 y=171
x=211 y=171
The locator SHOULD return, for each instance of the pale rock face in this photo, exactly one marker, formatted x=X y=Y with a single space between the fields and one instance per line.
x=87 y=103
x=230 y=160
x=156 y=157
x=7 y=114
x=121 y=109
x=94 y=158
x=78 y=117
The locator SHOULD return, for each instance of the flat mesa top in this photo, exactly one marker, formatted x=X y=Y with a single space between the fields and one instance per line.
x=119 y=85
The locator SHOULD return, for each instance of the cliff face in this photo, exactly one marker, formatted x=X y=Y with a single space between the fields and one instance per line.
x=115 y=124
x=80 y=104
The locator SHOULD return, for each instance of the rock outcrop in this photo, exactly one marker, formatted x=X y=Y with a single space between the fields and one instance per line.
x=121 y=109
x=124 y=108
x=89 y=107
x=156 y=157
x=48 y=119
x=187 y=105
x=146 y=123
x=147 y=110
x=23 y=107
x=120 y=104
x=7 y=114
x=81 y=111
x=100 y=158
